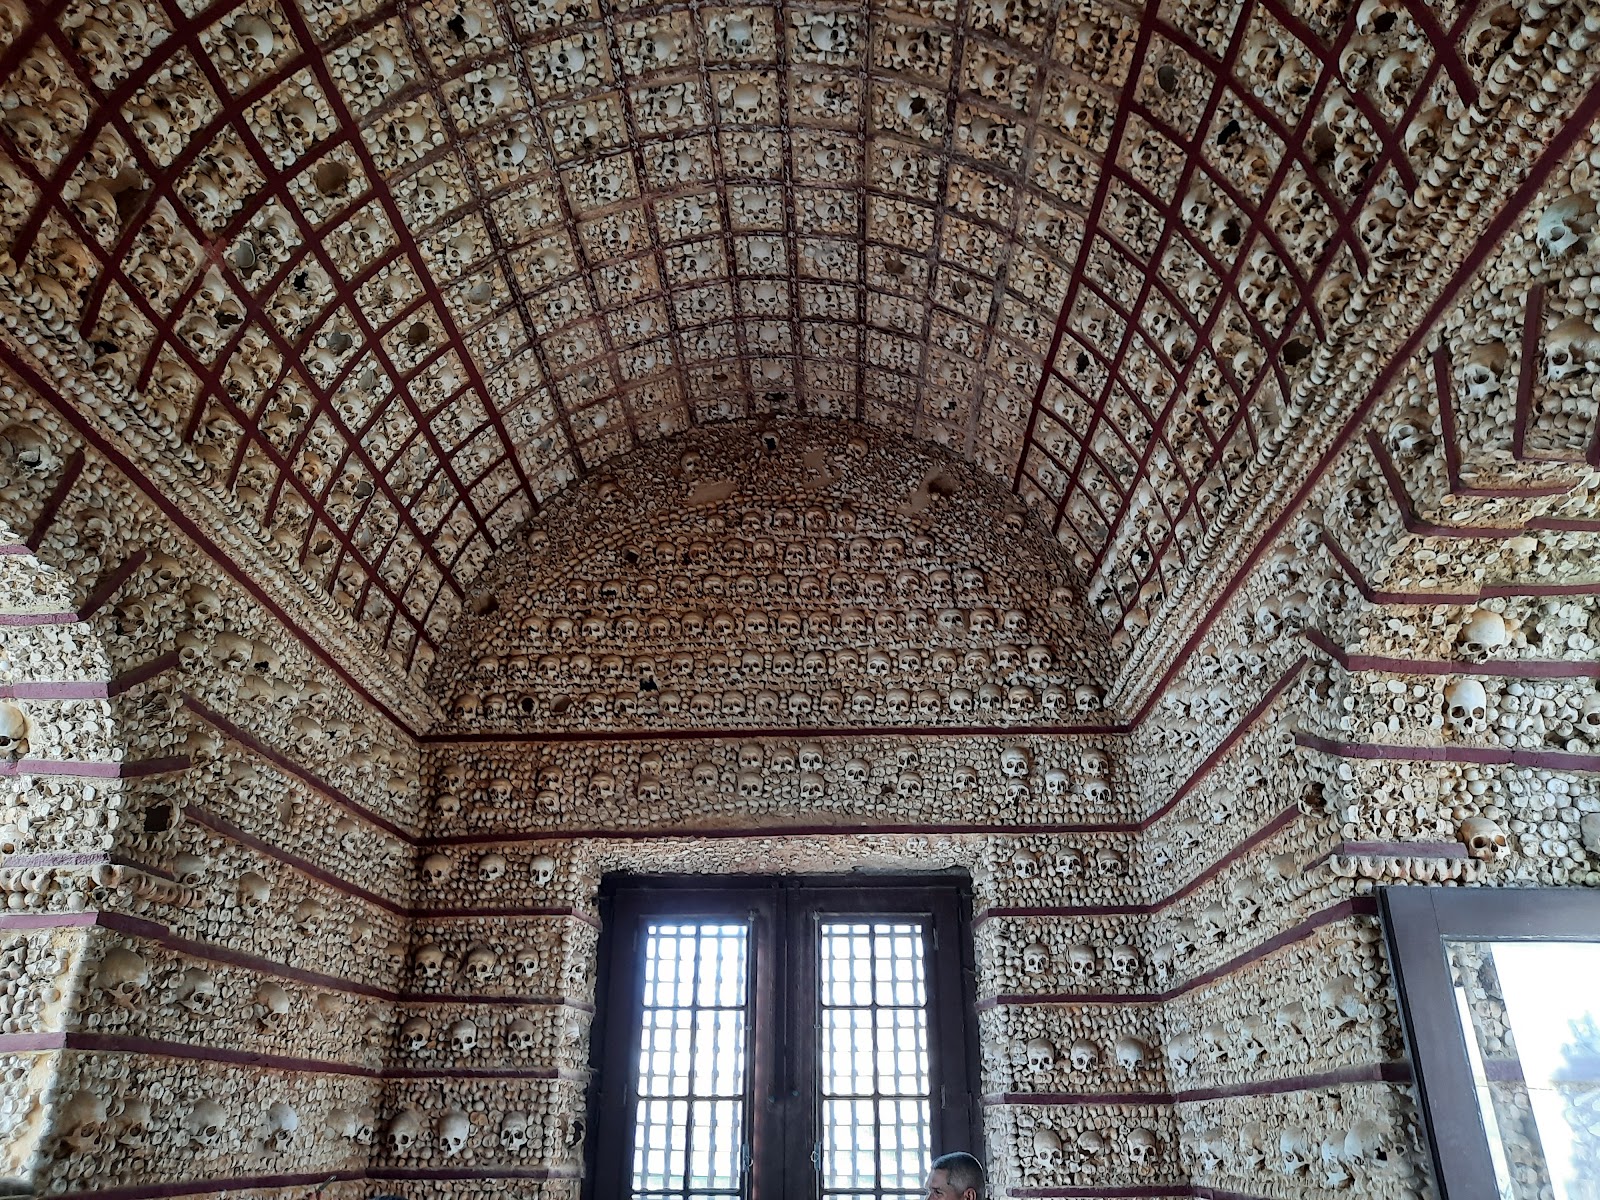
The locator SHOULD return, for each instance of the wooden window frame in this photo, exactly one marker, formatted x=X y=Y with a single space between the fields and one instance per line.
x=783 y=1129
x=1417 y=921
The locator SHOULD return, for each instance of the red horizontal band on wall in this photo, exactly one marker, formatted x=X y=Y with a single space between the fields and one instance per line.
x=1494 y=756
x=1507 y=669
x=1388 y=1072
x=1356 y=906
x=81 y=769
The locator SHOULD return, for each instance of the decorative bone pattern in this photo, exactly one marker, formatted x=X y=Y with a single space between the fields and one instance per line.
x=348 y=351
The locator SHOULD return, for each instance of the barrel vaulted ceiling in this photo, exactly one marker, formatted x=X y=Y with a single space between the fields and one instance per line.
x=388 y=275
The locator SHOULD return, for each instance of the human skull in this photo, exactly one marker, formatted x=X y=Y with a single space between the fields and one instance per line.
x=1483 y=838
x=1132 y=1054
x=13 y=731
x=455 y=1130
x=206 y=1125
x=123 y=975
x=428 y=961
x=82 y=1122
x=283 y=1122
x=197 y=992
x=542 y=869
x=1035 y=958
x=480 y=965
x=271 y=1006
x=1082 y=961
x=436 y=868
x=1483 y=632
x=1466 y=706
x=1589 y=832
x=514 y=1132
x=1486 y=366
x=404 y=1132
x=1084 y=1055
x=1563 y=226
x=1124 y=960
x=1041 y=1055
x=1024 y=863
x=1015 y=762
x=1143 y=1146
x=520 y=1034
x=1047 y=1151
x=463 y=1036
x=811 y=757
x=857 y=771
x=414 y=1034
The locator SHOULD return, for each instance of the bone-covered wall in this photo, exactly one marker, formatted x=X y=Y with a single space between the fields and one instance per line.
x=209 y=839
x=449 y=452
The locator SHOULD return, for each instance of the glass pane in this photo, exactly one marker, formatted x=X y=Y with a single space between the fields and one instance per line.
x=876 y=1107
x=688 y=1141
x=1531 y=1015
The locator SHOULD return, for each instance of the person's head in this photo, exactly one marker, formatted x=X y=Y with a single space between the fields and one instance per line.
x=956 y=1176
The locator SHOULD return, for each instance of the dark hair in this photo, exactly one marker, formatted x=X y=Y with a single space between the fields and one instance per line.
x=961 y=1170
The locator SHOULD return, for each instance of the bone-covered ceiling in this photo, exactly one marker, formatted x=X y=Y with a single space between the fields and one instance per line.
x=392 y=274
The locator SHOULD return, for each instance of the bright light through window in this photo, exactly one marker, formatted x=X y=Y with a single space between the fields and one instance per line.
x=874 y=1069
x=689 y=1129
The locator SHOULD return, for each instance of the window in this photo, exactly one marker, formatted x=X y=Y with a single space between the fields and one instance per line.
x=1500 y=994
x=789 y=1039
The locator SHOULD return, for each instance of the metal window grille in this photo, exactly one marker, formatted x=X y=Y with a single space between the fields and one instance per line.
x=689 y=1131
x=875 y=1080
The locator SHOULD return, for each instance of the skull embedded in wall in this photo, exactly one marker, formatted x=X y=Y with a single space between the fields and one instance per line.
x=1015 y=762
x=1482 y=632
x=82 y=1123
x=542 y=869
x=13 y=731
x=1132 y=1054
x=1483 y=838
x=1035 y=958
x=283 y=1122
x=1084 y=1055
x=1486 y=367
x=1589 y=832
x=1047 y=1151
x=514 y=1132
x=520 y=1034
x=123 y=975
x=428 y=962
x=133 y=1127
x=1143 y=1146
x=1125 y=960
x=481 y=964
x=405 y=1132
x=271 y=1007
x=254 y=892
x=414 y=1034
x=455 y=1131
x=1082 y=961
x=463 y=1035
x=1041 y=1055
x=491 y=867
x=1466 y=706
x=207 y=1125
x=1024 y=863
x=197 y=992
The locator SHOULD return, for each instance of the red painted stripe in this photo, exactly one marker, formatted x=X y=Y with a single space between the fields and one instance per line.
x=1389 y=1072
x=1512 y=669
x=94 y=770
x=1555 y=760
x=47 y=515
x=1358 y=906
